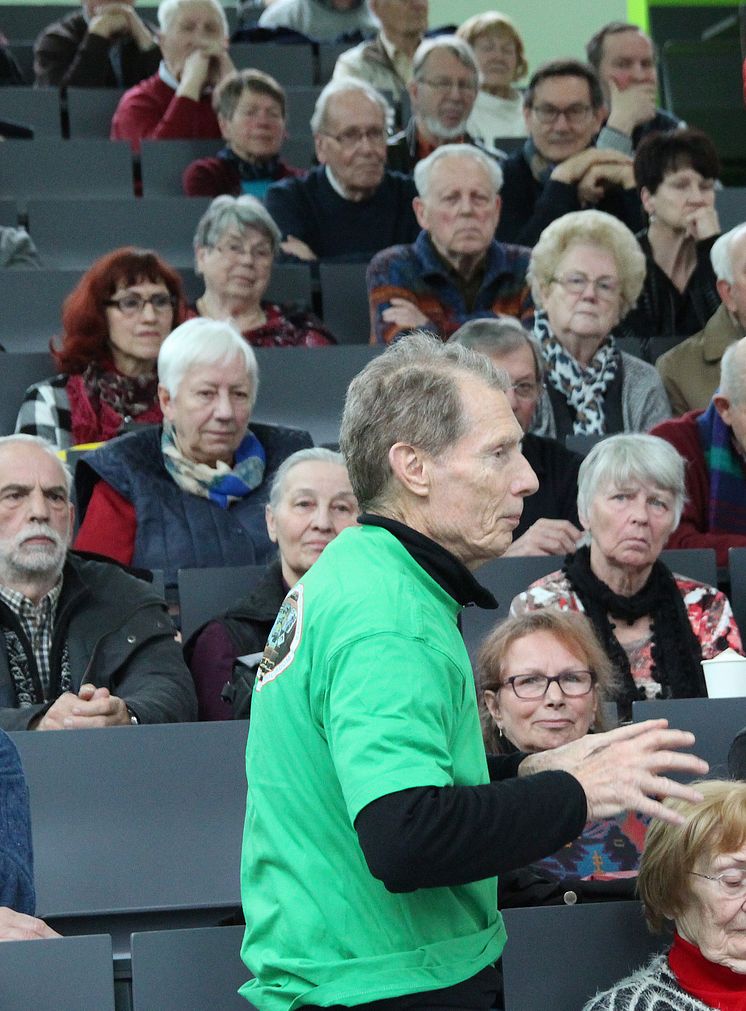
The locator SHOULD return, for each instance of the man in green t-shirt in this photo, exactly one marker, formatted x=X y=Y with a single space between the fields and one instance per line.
x=375 y=825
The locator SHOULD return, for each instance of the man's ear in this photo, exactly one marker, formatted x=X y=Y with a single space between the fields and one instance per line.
x=722 y=406
x=409 y=467
x=420 y=212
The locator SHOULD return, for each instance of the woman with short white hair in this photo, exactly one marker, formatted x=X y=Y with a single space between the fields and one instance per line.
x=191 y=493
x=655 y=625
x=176 y=103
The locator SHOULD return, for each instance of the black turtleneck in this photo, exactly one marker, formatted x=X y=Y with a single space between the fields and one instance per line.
x=429 y=837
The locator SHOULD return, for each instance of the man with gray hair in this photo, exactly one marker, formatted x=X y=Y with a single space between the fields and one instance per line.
x=443 y=89
x=691 y=370
x=82 y=644
x=350 y=206
x=375 y=825
x=713 y=443
x=455 y=270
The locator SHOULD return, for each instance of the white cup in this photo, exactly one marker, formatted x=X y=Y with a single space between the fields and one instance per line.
x=725 y=675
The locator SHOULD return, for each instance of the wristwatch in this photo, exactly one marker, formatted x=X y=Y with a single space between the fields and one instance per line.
x=133 y=718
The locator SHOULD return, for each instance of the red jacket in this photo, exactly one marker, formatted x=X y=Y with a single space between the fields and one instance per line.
x=152 y=111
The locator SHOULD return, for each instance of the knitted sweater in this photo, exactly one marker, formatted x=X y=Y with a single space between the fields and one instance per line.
x=153 y=111
x=653 y=988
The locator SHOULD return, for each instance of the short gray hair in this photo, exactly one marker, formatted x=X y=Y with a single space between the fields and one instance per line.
x=598 y=229
x=204 y=341
x=168 y=9
x=242 y=212
x=498 y=335
x=733 y=372
x=631 y=456
x=423 y=169
x=409 y=394
x=314 y=454
x=722 y=252
x=49 y=449
x=454 y=45
x=344 y=87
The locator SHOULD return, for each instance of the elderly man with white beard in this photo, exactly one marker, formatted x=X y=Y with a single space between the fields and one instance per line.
x=82 y=643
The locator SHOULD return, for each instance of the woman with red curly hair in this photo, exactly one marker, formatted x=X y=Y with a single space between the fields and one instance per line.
x=113 y=324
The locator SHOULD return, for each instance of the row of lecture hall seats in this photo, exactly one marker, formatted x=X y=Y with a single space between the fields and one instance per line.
x=157 y=871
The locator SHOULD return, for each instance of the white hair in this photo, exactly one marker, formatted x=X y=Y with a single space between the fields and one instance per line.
x=733 y=372
x=452 y=44
x=344 y=87
x=226 y=212
x=49 y=449
x=721 y=254
x=204 y=341
x=314 y=454
x=168 y=9
x=424 y=168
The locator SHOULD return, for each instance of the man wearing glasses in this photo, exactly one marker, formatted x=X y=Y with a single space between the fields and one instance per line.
x=443 y=89
x=350 y=206
x=558 y=169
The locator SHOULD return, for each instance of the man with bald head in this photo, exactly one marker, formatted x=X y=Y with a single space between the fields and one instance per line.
x=82 y=644
x=691 y=370
x=455 y=270
x=713 y=443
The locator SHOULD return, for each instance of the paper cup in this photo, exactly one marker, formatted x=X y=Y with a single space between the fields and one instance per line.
x=725 y=675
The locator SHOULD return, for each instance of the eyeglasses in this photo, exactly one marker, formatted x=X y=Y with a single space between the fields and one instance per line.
x=732 y=881
x=526 y=390
x=133 y=305
x=606 y=288
x=574 y=114
x=572 y=683
x=234 y=250
x=353 y=137
x=445 y=84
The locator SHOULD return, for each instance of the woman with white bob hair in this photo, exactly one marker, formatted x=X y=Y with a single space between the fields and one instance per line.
x=655 y=626
x=586 y=273
x=192 y=492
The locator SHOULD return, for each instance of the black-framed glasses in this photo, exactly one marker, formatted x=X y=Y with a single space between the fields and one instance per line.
x=732 y=881
x=527 y=390
x=572 y=683
x=575 y=114
x=353 y=137
x=133 y=304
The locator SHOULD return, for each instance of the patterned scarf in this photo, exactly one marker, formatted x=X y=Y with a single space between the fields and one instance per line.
x=265 y=168
x=676 y=651
x=102 y=399
x=541 y=168
x=725 y=467
x=27 y=688
x=221 y=484
x=583 y=386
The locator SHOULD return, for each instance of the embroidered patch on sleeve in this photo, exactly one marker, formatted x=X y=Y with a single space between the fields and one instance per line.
x=283 y=640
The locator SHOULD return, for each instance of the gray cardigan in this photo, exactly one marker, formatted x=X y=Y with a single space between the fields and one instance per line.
x=652 y=988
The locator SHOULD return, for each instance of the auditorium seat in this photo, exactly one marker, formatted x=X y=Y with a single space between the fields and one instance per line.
x=291 y=65
x=162 y=163
x=32 y=307
x=90 y=111
x=17 y=373
x=61 y=974
x=23 y=22
x=62 y=169
x=207 y=593
x=737 y=577
x=38 y=108
x=344 y=297
x=714 y=723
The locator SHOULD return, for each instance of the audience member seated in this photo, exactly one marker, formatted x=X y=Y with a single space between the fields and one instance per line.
x=543 y=678
x=102 y=45
x=624 y=59
x=84 y=644
x=385 y=61
x=549 y=521
x=586 y=271
x=676 y=173
x=691 y=370
x=17 y=249
x=350 y=206
x=176 y=102
x=655 y=626
x=498 y=109
x=113 y=324
x=444 y=85
x=692 y=872
x=455 y=270
x=250 y=107
x=558 y=169
x=310 y=502
x=235 y=246
x=713 y=443
x=321 y=20
x=191 y=493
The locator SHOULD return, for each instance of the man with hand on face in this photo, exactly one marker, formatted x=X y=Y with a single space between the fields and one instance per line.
x=558 y=169
x=82 y=644
x=624 y=59
x=103 y=45
x=455 y=270
x=176 y=102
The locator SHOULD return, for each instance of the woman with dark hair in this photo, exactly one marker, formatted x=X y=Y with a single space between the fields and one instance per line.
x=676 y=173
x=113 y=324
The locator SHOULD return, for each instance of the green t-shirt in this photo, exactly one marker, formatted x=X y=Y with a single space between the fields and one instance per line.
x=365 y=689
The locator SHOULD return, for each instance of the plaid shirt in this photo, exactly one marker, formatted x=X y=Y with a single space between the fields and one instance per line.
x=45 y=412
x=37 y=621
